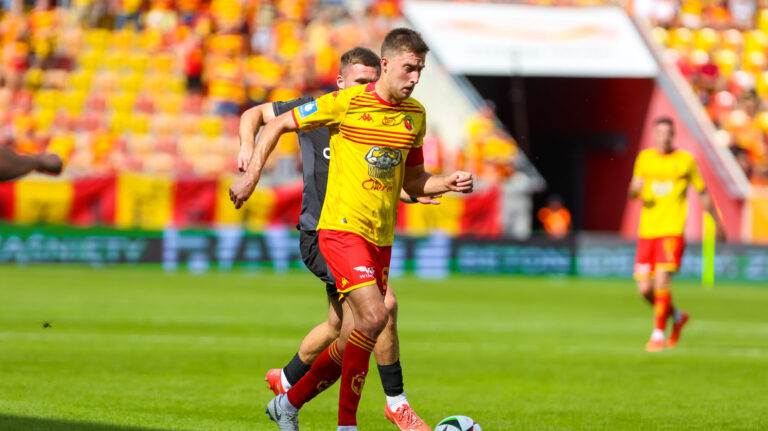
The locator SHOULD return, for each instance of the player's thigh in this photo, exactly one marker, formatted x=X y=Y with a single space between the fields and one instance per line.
x=313 y=259
x=335 y=313
x=644 y=259
x=668 y=253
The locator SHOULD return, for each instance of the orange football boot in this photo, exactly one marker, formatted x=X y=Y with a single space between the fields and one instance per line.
x=676 y=329
x=406 y=419
x=275 y=381
x=654 y=345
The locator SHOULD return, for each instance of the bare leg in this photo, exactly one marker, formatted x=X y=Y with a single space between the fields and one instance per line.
x=387 y=350
x=322 y=335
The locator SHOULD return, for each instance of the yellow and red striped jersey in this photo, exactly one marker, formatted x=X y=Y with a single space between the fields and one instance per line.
x=666 y=178
x=371 y=143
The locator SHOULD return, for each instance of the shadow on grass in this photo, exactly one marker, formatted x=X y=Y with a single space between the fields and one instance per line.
x=24 y=423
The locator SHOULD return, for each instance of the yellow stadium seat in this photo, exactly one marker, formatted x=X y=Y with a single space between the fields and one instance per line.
x=755 y=40
x=138 y=62
x=139 y=124
x=129 y=82
x=80 y=80
x=706 y=39
x=211 y=126
x=97 y=39
x=761 y=86
x=754 y=61
x=73 y=101
x=682 y=39
x=122 y=102
x=169 y=103
x=120 y=123
x=163 y=63
x=725 y=59
x=44 y=119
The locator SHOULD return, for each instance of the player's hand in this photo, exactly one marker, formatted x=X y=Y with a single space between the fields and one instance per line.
x=241 y=190
x=50 y=163
x=429 y=200
x=244 y=157
x=460 y=182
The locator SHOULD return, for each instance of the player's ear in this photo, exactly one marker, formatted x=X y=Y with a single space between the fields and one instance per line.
x=384 y=64
x=340 y=82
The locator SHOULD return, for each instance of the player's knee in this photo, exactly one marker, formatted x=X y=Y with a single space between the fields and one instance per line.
x=373 y=322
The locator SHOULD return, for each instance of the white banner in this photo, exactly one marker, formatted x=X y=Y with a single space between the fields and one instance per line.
x=502 y=40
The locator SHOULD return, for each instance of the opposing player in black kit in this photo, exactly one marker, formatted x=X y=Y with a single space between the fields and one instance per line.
x=358 y=66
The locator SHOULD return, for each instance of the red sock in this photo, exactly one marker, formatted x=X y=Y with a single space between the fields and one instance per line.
x=321 y=375
x=662 y=305
x=357 y=354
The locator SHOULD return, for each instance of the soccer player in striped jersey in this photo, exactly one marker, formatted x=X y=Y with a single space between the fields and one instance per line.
x=377 y=132
x=661 y=178
x=358 y=66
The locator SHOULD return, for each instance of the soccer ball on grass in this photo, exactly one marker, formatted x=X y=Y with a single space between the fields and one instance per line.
x=458 y=423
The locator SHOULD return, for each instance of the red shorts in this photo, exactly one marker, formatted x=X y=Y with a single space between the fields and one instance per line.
x=664 y=253
x=354 y=261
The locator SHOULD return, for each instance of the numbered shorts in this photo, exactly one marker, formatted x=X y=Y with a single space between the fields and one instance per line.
x=313 y=259
x=664 y=253
x=354 y=261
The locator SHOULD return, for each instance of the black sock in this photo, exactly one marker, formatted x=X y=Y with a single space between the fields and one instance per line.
x=295 y=370
x=392 y=378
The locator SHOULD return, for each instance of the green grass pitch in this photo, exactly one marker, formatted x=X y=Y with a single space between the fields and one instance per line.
x=134 y=348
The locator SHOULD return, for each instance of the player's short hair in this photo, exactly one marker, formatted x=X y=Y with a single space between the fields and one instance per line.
x=403 y=40
x=664 y=120
x=360 y=55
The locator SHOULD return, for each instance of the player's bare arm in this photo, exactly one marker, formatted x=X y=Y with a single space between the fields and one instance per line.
x=636 y=187
x=426 y=200
x=13 y=165
x=250 y=123
x=709 y=206
x=418 y=182
x=242 y=189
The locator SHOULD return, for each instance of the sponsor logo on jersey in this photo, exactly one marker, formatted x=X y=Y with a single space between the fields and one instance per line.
x=307 y=109
x=374 y=185
x=408 y=123
x=367 y=272
x=365 y=117
x=382 y=162
x=388 y=121
x=662 y=188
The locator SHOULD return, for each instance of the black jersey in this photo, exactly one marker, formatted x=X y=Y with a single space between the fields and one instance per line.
x=315 y=156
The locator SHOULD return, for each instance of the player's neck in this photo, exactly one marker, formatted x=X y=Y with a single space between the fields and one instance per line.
x=381 y=91
x=665 y=150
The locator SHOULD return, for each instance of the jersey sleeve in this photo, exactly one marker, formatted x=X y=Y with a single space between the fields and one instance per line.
x=325 y=111
x=283 y=107
x=694 y=176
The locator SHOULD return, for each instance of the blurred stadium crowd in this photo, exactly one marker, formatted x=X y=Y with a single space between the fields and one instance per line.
x=720 y=47
x=157 y=86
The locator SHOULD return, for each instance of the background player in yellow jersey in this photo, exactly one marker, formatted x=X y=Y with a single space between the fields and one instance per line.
x=661 y=178
x=376 y=138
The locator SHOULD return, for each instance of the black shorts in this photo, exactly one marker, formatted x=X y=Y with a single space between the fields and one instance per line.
x=315 y=262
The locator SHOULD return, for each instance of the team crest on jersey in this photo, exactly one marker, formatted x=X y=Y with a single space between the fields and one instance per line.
x=382 y=162
x=408 y=123
x=388 y=121
x=307 y=109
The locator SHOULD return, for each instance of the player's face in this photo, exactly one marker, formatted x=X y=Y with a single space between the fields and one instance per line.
x=662 y=134
x=357 y=74
x=403 y=71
